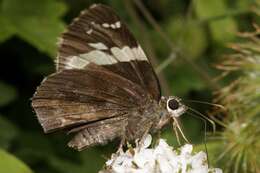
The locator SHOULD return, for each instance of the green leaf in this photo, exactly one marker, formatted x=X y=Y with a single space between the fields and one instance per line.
x=6 y=30
x=8 y=94
x=7 y=133
x=223 y=27
x=223 y=30
x=209 y=8
x=10 y=164
x=37 y=22
x=43 y=38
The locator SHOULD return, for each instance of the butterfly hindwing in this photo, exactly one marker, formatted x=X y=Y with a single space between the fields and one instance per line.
x=99 y=36
x=98 y=133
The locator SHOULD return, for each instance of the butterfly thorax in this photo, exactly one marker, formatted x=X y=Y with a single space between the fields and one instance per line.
x=151 y=117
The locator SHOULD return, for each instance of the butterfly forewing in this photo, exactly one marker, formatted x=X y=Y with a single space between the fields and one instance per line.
x=91 y=38
x=99 y=36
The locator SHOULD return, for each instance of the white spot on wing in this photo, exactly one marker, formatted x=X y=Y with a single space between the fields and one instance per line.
x=118 y=24
x=93 y=6
x=99 y=46
x=105 y=25
x=76 y=62
x=113 y=25
x=60 y=41
x=128 y=54
x=89 y=31
x=99 y=57
x=119 y=54
x=139 y=53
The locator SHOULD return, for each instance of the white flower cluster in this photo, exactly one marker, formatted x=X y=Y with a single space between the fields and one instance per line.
x=161 y=159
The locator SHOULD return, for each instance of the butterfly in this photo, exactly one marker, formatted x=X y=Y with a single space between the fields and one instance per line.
x=104 y=86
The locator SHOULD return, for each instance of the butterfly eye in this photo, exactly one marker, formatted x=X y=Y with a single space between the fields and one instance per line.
x=173 y=104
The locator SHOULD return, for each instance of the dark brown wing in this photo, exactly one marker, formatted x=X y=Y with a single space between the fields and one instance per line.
x=74 y=97
x=99 y=36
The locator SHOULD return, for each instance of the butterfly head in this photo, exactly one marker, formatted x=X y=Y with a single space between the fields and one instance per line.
x=175 y=107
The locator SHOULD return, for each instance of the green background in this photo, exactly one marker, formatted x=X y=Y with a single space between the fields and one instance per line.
x=198 y=30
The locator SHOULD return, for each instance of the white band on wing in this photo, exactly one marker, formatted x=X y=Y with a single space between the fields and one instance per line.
x=100 y=57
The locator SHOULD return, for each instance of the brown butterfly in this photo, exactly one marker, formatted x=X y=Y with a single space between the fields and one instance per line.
x=104 y=87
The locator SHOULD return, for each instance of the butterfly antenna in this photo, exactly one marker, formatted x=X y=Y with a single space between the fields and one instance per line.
x=205 y=135
x=203 y=116
x=206 y=103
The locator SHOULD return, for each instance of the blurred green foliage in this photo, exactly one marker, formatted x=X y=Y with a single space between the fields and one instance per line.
x=241 y=98
x=8 y=93
x=199 y=30
x=225 y=28
x=38 y=23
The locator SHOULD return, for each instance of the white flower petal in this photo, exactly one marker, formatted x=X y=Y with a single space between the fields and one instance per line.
x=186 y=149
x=143 y=157
x=147 y=141
x=165 y=166
x=199 y=160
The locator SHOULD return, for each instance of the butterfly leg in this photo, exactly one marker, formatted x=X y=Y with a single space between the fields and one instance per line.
x=121 y=145
x=157 y=136
x=177 y=129
x=123 y=138
x=176 y=132
x=144 y=136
